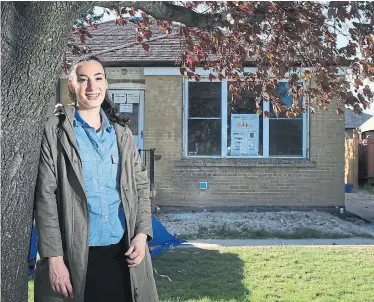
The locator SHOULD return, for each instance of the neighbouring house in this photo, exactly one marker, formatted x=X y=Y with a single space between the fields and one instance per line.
x=367 y=128
x=210 y=151
x=354 y=121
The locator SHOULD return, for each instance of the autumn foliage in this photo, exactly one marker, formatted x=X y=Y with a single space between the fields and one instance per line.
x=293 y=40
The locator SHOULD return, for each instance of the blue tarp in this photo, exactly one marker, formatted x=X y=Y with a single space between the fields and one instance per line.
x=162 y=241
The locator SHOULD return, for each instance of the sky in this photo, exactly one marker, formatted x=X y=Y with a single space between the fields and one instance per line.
x=341 y=41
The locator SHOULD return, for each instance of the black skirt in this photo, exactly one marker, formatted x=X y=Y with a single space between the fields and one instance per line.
x=108 y=278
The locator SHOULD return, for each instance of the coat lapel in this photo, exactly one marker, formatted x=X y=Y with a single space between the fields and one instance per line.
x=68 y=140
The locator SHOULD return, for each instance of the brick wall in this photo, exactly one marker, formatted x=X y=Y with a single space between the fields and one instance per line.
x=318 y=182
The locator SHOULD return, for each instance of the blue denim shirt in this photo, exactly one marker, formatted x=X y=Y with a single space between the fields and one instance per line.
x=100 y=163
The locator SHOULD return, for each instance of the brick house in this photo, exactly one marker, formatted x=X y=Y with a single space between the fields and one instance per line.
x=197 y=133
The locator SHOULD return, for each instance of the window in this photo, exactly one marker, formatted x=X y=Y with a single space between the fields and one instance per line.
x=285 y=134
x=215 y=125
x=204 y=119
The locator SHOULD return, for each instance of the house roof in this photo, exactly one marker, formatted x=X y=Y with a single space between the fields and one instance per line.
x=115 y=44
x=368 y=125
x=354 y=120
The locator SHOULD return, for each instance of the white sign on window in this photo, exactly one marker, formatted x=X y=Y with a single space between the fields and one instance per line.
x=119 y=97
x=245 y=134
x=133 y=98
x=126 y=108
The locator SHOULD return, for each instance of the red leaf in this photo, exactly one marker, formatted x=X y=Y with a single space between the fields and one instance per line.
x=235 y=33
x=139 y=39
x=146 y=47
x=191 y=60
x=182 y=70
x=95 y=26
x=220 y=77
x=73 y=29
x=119 y=21
x=147 y=35
x=245 y=9
x=204 y=36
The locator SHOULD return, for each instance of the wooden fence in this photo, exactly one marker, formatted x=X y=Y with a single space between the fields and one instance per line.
x=359 y=160
x=366 y=160
x=351 y=160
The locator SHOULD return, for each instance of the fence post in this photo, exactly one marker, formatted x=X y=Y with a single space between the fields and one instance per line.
x=355 y=158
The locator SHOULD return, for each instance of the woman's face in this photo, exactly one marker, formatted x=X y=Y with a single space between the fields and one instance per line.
x=89 y=85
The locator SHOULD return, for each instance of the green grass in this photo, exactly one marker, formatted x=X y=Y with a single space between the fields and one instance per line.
x=31 y=291
x=267 y=274
x=302 y=233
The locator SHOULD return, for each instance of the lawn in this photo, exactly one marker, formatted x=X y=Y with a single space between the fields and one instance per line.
x=266 y=274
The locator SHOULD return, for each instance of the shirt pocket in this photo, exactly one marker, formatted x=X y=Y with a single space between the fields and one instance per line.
x=114 y=167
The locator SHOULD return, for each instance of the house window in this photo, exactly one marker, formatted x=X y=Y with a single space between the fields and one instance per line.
x=216 y=125
x=204 y=119
x=285 y=134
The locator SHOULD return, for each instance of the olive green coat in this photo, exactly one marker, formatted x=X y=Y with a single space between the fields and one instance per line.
x=61 y=210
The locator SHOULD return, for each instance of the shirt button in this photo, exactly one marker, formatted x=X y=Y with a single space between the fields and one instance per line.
x=102 y=188
x=105 y=217
x=103 y=201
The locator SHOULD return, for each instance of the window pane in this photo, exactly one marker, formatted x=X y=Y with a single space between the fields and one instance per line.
x=286 y=99
x=204 y=137
x=286 y=137
x=244 y=126
x=204 y=99
x=133 y=122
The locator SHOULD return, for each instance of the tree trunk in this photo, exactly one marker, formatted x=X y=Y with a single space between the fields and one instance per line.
x=33 y=39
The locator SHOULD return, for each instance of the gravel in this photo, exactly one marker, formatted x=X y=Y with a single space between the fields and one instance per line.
x=191 y=224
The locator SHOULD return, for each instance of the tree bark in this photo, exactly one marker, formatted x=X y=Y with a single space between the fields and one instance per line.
x=33 y=37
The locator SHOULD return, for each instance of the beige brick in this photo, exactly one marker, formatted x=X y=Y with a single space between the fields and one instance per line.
x=319 y=182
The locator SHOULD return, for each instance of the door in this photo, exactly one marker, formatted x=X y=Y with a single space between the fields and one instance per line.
x=130 y=103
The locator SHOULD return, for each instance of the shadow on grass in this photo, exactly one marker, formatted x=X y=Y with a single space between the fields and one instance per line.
x=206 y=275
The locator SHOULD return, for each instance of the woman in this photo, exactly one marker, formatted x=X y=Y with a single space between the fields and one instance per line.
x=89 y=167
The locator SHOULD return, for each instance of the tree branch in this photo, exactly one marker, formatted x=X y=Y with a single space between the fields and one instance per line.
x=166 y=11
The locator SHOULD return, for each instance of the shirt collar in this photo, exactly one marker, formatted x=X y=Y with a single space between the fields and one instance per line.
x=80 y=122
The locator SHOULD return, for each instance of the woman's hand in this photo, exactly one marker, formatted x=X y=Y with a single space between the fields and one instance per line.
x=59 y=277
x=136 y=252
